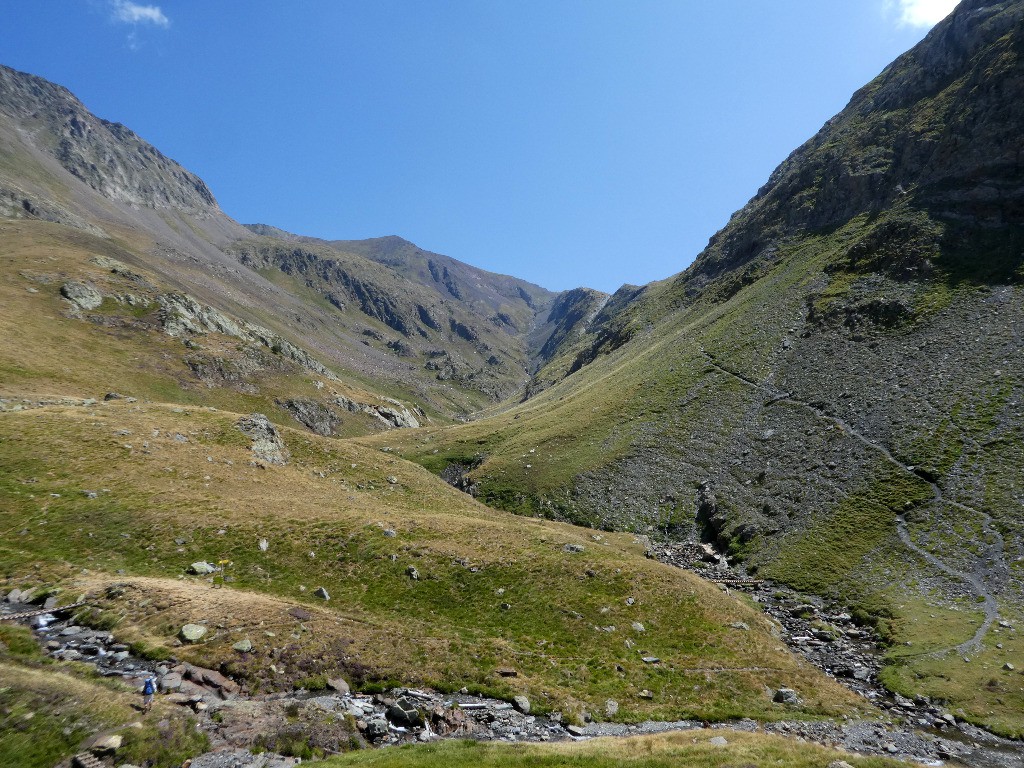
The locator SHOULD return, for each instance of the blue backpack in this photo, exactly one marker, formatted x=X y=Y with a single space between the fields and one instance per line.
x=148 y=689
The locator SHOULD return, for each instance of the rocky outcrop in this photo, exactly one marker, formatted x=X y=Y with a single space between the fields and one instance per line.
x=936 y=129
x=106 y=156
x=267 y=446
x=82 y=295
x=181 y=315
x=312 y=414
x=395 y=416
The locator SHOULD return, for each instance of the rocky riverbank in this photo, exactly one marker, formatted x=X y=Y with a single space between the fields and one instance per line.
x=830 y=639
x=290 y=726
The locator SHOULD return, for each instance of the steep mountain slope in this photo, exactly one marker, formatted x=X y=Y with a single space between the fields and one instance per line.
x=832 y=392
x=374 y=312
x=143 y=335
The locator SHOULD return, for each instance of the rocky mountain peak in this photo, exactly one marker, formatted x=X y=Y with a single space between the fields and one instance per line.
x=106 y=156
x=938 y=130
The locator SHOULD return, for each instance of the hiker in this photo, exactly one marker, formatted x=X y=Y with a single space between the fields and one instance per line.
x=148 y=689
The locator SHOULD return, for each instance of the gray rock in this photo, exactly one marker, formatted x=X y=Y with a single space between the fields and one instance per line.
x=412 y=573
x=267 y=445
x=786 y=696
x=83 y=295
x=839 y=764
x=573 y=548
x=376 y=728
x=611 y=708
x=243 y=646
x=338 y=685
x=522 y=704
x=192 y=633
x=202 y=568
x=638 y=627
x=170 y=682
x=718 y=741
x=312 y=414
x=106 y=744
x=1008 y=667
x=322 y=593
x=404 y=713
x=575 y=730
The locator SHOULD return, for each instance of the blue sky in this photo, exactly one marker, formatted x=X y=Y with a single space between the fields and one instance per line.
x=569 y=142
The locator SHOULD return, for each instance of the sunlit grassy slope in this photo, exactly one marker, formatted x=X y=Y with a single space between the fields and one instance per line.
x=47 y=352
x=803 y=424
x=492 y=590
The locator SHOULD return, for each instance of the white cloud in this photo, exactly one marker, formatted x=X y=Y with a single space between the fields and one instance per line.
x=133 y=13
x=922 y=13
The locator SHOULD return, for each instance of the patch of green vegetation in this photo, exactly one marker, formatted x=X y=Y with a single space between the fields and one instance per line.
x=689 y=749
x=18 y=641
x=312 y=683
x=824 y=557
x=47 y=712
x=980 y=689
x=149 y=652
x=164 y=744
x=31 y=735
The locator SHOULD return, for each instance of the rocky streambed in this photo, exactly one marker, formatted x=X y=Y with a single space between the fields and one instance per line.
x=833 y=642
x=336 y=719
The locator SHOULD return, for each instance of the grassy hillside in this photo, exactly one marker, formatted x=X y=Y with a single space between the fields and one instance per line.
x=54 y=349
x=832 y=392
x=492 y=590
x=803 y=427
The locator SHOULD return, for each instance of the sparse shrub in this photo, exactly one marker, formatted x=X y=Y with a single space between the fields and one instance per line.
x=150 y=652
x=313 y=683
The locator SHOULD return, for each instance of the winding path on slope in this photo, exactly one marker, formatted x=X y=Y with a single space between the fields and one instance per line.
x=995 y=552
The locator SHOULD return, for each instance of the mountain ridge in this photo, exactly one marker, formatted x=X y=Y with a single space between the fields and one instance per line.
x=453 y=337
x=833 y=387
x=829 y=398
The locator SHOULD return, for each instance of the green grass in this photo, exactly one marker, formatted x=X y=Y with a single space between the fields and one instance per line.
x=980 y=690
x=447 y=629
x=840 y=543
x=47 y=712
x=690 y=749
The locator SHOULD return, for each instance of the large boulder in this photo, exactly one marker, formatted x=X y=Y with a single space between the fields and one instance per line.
x=404 y=712
x=376 y=728
x=170 y=682
x=81 y=295
x=786 y=696
x=192 y=633
x=267 y=445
